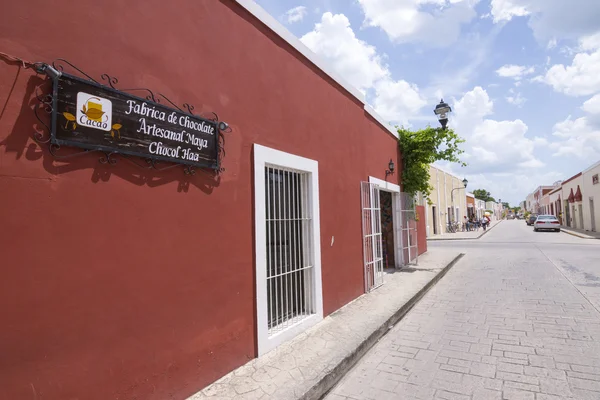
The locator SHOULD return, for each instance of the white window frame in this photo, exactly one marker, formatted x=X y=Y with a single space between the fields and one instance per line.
x=395 y=191
x=263 y=157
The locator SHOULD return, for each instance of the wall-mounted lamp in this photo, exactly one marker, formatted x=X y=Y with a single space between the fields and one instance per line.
x=390 y=169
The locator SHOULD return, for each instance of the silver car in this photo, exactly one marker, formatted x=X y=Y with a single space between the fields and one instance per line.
x=546 y=222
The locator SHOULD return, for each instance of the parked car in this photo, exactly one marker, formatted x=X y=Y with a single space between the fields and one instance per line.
x=546 y=222
x=529 y=221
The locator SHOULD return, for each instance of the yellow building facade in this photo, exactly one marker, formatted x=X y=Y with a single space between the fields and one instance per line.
x=446 y=203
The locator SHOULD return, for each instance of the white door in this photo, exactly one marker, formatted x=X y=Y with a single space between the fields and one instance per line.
x=372 y=238
x=408 y=229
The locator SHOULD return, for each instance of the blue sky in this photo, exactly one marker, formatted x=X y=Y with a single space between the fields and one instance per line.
x=522 y=76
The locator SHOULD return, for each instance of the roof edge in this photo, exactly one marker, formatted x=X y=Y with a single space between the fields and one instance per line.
x=277 y=27
x=591 y=167
x=558 y=189
x=444 y=171
x=577 y=175
x=381 y=121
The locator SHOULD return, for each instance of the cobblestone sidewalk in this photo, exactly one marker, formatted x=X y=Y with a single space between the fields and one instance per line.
x=498 y=326
x=309 y=365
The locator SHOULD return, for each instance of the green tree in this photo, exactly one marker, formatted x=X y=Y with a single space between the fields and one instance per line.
x=422 y=148
x=483 y=194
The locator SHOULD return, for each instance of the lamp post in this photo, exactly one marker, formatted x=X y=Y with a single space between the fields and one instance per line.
x=464 y=181
x=442 y=110
x=501 y=208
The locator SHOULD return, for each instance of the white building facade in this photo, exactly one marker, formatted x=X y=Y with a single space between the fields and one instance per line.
x=480 y=208
x=591 y=198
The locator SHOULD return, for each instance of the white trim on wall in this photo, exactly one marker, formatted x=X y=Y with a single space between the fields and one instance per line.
x=264 y=156
x=384 y=185
x=396 y=215
x=278 y=28
x=379 y=119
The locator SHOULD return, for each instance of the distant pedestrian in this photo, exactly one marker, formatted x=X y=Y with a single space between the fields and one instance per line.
x=474 y=224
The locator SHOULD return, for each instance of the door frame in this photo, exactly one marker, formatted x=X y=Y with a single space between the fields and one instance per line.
x=592 y=214
x=395 y=191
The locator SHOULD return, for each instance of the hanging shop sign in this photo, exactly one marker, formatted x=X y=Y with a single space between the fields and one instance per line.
x=96 y=117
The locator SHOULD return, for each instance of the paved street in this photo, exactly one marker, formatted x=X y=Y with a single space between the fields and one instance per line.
x=517 y=318
x=474 y=234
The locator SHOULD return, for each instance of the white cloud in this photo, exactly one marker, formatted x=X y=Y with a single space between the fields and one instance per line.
x=360 y=64
x=590 y=42
x=474 y=105
x=504 y=10
x=431 y=22
x=516 y=99
x=581 y=78
x=514 y=71
x=492 y=146
x=580 y=138
x=396 y=101
x=592 y=105
x=551 y=19
x=354 y=59
x=295 y=14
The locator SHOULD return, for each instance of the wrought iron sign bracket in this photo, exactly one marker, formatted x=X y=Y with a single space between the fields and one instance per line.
x=133 y=149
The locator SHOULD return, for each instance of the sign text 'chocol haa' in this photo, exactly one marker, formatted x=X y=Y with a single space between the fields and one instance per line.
x=96 y=117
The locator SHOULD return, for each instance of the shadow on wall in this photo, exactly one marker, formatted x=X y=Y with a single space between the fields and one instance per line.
x=35 y=116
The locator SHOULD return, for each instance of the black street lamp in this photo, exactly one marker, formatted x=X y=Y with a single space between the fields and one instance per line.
x=442 y=110
x=464 y=181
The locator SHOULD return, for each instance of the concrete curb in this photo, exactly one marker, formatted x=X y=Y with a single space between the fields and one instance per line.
x=577 y=234
x=473 y=238
x=327 y=383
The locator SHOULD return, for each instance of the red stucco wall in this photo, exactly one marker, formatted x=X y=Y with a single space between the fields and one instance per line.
x=120 y=283
x=421 y=230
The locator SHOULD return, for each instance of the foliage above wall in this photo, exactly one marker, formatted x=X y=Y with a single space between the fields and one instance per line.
x=483 y=194
x=422 y=148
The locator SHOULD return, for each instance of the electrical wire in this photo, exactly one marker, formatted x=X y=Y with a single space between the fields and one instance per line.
x=24 y=63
